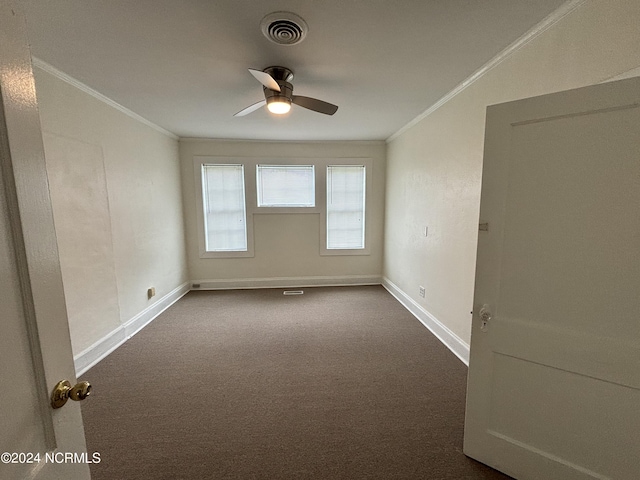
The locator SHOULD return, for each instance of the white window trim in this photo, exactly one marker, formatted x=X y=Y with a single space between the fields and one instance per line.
x=251 y=200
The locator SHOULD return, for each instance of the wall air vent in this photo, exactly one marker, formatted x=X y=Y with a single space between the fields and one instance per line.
x=284 y=28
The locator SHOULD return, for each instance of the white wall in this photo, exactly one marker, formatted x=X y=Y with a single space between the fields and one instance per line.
x=434 y=168
x=287 y=246
x=116 y=195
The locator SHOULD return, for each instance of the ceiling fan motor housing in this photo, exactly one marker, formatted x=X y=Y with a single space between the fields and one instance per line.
x=283 y=76
x=284 y=95
x=279 y=73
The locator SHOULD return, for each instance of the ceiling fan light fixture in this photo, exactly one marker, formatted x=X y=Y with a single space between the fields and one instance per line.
x=279 y=105
x=278 y=94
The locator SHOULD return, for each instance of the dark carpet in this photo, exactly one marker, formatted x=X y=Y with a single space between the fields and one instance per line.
x=338 y=383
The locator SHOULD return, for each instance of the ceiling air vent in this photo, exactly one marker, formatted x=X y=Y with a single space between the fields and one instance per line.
x=284 y=28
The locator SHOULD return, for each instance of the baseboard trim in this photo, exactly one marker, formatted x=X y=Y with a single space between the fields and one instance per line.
x=286 y=282
x=103 y=347
x=110 y=342
x=141 y=320
x=99 y=350
x=454 y=343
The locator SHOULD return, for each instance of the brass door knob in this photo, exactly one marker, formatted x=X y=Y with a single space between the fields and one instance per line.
x=63 y=391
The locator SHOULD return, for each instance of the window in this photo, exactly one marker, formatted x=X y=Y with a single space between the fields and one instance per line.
x=231 y=191
x=346 y=187
x=225 y=224
x=285 y=186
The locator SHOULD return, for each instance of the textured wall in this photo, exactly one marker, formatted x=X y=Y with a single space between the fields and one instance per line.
x=115 y=190
x=434 y=168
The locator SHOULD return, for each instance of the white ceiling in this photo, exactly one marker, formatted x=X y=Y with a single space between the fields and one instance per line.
x=182 y=64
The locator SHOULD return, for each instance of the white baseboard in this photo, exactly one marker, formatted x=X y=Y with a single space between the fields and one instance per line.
x=103 y=347
x=286 y=282
x=141 y=320
x=99 y=350
x=446 y=336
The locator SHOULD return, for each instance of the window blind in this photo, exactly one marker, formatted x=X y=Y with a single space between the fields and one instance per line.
x=224 y=207
x=345 y=206
x=286 y=186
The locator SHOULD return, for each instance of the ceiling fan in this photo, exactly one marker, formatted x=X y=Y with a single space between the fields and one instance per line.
x=278 y=94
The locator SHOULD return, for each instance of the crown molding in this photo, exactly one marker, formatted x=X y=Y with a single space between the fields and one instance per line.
x=288 y=142
x=44 y=66
x=537 y=30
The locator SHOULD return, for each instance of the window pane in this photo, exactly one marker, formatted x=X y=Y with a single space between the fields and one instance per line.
x=286 y=186
x=224 y=208
x=345 y=206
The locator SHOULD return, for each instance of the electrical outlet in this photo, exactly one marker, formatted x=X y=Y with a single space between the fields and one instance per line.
x=422 y=291
x=425 y=231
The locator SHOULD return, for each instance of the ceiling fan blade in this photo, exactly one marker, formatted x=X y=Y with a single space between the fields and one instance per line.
x=265 y=79
x=314 y=104
x=251 y=108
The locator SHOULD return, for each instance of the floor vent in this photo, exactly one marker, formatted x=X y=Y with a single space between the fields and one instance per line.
x=195 y=285
x=293 y=292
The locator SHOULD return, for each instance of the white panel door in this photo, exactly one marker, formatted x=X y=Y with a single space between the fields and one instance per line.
x=554 y=375
x=35 y=349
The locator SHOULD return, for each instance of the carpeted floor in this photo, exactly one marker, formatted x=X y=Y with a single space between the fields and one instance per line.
x=338 y=383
